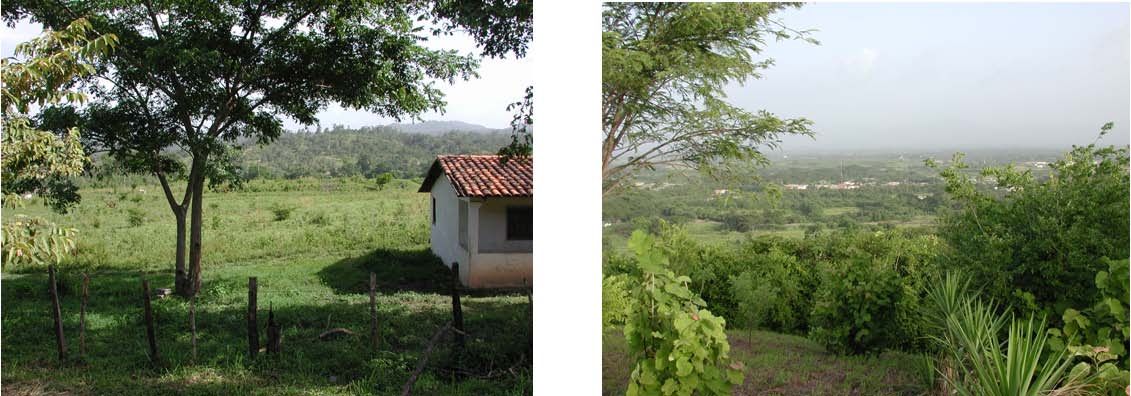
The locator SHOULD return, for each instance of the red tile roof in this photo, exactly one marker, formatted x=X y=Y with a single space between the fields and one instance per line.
x=483 y=175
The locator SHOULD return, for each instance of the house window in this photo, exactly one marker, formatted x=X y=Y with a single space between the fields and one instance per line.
x=463 y=224
x=433 y=210
x=520 y=223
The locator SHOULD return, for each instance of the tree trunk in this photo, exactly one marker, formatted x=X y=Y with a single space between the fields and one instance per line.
x=180 y=279
x=180 y=276
x=196 y=185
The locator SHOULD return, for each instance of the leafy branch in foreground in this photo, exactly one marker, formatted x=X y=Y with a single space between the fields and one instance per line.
x=36 y=161
x=665 y=68
x=679 y=346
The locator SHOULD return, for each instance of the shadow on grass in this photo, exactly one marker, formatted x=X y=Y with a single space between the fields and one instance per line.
x=117 y=359
x=417 y=270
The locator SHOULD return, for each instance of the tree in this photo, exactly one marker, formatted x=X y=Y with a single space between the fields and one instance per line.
x=37 y=161
x=664 y=70
x=1039 y=244
x=193 y=77
x=499 y=27
x=383 y=179
x=522 y=137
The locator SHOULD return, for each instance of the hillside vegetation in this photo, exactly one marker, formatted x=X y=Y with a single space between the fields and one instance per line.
x=368 y=151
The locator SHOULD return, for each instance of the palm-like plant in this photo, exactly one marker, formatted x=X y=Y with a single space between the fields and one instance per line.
x=976 y=361
x=1022 y=369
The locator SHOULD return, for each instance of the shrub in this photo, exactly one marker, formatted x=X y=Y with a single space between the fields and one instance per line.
x=135 y=217
x=281 y=211
x=773 y=295
x=615 y=301
x=1037 y=241
x=318 y=218
x=678 y=345
x=857 y=309
x=1098 y=335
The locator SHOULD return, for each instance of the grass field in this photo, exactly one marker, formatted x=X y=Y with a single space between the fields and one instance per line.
x=784 y=365
x=312 y=266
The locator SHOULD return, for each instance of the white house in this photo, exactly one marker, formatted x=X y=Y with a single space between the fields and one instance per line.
x=483 y=218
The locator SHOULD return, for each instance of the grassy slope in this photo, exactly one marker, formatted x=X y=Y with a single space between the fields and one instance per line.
x=312 y=269
x=785 y=365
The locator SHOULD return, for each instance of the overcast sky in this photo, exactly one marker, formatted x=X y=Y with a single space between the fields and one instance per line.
x=950 y=75
x=480 y=101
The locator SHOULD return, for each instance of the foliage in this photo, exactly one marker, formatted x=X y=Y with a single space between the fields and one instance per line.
x=1015 y=366
x=1036 y=243
x=615 y=302
x=498 y=27
x=522 y=137
x=40 y=162
x=1097 y=336
x=366 y=151
x=36 y=161
x=383 y=179
x=857 y=309
x=775 y=293
x=135 y=217
x=41 y=73
x=678 y=345
x=33 y=241
x=281 y=211
x=664 y=70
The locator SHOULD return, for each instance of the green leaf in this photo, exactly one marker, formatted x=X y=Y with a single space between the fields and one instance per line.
x=682 y=367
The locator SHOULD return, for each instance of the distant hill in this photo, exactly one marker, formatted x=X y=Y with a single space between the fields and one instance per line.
x=442 y=127
x=367 y=151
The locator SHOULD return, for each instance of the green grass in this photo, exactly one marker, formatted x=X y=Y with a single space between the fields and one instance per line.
x=786 y=365
x=312 y=271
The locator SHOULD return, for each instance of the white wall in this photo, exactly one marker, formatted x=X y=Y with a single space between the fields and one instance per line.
x=445 y=231
x=493 y=226
x=502 y=270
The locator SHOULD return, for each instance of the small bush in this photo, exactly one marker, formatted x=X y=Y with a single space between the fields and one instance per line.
x=135 y=217
x=318 y=218
x=773 y=295
x=281 y=212
x=858 y=309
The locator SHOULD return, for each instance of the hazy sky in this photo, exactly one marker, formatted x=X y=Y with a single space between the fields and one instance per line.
x=480 y=101
x=950 y=75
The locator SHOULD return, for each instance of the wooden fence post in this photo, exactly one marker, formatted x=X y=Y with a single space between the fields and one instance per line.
x=274 y=334
x=82 y=315
x=373 y=334
x=192 y=324
x=252 y=326
x=457 y=308
x=60 y=342
x=149 y=331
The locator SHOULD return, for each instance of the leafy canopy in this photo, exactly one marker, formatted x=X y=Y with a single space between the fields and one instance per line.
x=664 y=70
